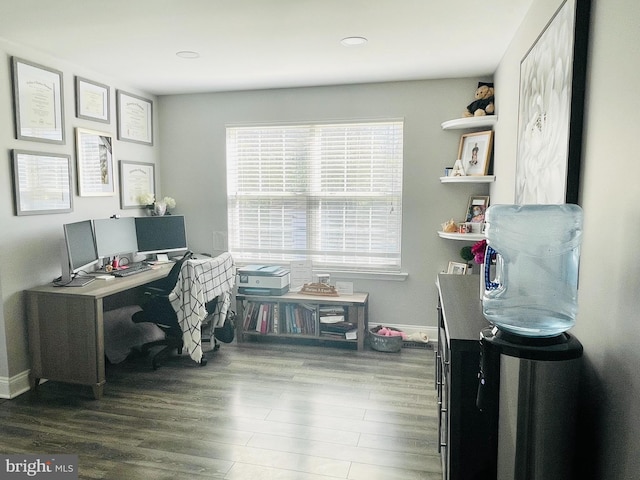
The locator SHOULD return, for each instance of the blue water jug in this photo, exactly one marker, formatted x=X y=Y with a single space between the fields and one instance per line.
x=537 y=250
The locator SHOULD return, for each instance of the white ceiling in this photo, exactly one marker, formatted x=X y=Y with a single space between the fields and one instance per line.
x=256 y=44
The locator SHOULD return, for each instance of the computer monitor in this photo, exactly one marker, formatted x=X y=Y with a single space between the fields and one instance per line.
x=161 y=234
x=79 y=252
x=115 y=236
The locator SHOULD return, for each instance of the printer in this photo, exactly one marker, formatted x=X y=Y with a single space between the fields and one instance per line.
x=262 y=280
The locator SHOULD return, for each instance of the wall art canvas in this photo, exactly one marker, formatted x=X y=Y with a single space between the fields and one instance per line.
x=552 y=78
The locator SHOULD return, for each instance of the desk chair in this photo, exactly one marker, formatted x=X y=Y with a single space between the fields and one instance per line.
x=157 y=309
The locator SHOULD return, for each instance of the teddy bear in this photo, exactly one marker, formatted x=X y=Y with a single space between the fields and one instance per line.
x=483 y=103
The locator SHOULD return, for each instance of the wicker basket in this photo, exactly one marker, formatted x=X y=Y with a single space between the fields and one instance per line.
x=383 y=343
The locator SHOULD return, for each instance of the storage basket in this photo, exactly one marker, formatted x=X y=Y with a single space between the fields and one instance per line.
x=382 y=343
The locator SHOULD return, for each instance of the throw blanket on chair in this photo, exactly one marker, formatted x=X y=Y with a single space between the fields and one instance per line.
x=199 y=282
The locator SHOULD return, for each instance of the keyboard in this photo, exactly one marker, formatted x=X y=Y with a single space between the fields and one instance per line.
x=132 y=269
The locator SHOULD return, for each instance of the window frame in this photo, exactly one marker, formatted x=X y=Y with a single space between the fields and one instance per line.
x=375 y=157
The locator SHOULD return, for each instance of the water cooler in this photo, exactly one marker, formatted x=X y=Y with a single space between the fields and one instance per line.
x=529 y=364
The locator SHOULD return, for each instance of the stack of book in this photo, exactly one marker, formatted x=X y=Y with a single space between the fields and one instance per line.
x=299 y=318
x=261 y=317
x=334 y=324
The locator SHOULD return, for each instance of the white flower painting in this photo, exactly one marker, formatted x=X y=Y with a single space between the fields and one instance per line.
x=545 y=112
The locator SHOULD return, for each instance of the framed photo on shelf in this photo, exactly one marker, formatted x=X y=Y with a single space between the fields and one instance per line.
x=92 y=100
x=94 y=152
x=457 y=268
x=135 y=118
x=39 y=106
x=476 y=209
x=136 y=179
x=41 y=183
x=475 y=152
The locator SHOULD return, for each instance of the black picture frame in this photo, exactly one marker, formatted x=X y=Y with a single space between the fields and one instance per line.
x=548 y=159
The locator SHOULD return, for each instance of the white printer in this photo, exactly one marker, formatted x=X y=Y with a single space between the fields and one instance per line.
x=263 y=280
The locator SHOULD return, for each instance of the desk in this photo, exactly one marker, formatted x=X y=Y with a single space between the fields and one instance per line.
x=66 y=339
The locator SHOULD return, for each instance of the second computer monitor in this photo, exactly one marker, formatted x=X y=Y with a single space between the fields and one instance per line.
x=115 y=236
x=161 y=234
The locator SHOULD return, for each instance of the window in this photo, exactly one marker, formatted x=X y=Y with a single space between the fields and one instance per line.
x=331 y=193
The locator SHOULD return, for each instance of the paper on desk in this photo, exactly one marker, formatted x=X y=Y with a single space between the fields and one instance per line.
x=301 y=272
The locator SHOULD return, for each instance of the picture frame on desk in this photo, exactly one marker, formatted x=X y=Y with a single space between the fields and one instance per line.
x=94 y=154
x=39 y=193
x=38 y=102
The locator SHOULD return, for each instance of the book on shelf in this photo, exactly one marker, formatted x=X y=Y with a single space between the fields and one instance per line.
x=299 y=319
x=348 y=335
x=351 y=334
x=346 y=330
x=261 y=318
x=332 y=314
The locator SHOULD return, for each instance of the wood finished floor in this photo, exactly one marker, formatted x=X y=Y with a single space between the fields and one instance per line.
x=256 y=411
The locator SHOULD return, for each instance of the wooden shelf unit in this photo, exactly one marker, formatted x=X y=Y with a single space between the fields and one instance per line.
x=356 y=311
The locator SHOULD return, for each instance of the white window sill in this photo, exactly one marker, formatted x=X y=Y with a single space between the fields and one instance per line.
x=387 y=276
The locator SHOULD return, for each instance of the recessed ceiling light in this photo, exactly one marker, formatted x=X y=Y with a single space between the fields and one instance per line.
x=353 y=41
x=188 y=54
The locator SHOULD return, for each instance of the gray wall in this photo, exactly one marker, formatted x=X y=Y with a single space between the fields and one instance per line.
x=30 y=245
x=608 y=321
x=192 y=128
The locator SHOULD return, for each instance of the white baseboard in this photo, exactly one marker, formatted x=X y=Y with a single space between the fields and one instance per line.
x=11 y=387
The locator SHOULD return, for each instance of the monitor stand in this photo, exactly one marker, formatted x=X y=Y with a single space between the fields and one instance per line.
x=162 y=257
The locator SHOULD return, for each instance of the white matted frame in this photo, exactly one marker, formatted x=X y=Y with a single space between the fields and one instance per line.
x=38 y=102
x=136 y=179
x=135 y=118
x=41 y=183
x=93 y=100
x=475 y=152
x=94 y=153
x=457 y=268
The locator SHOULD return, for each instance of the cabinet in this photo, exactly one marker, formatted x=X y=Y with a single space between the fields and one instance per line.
x=469 y=123
x=464 y=431
x=305 y=311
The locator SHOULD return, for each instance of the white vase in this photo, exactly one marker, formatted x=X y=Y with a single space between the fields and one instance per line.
x=160 y=208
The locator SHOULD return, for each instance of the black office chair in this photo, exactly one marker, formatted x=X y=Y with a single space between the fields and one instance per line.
x=157 y=309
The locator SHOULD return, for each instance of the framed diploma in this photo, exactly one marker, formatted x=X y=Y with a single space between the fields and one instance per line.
x=38 y=102
x=92 y=100
x=135 y=118
x=41 y=183
x=136 y=179
x=94 y=153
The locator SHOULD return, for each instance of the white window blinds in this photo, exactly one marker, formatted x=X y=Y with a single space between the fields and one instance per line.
x=328 y=192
